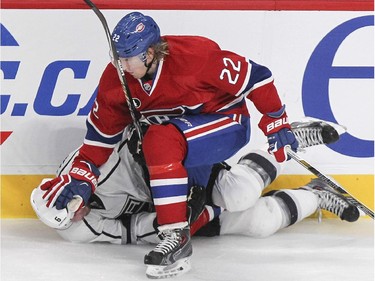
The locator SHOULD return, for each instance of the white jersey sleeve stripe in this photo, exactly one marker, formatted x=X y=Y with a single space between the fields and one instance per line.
x=246 y=81
x=100 y=144
x=169 y=200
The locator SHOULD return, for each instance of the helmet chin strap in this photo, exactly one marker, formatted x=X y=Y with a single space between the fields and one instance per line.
x=148 y=66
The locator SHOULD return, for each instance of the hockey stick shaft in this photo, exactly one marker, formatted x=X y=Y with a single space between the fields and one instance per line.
x=120 y=70
x=331 y=183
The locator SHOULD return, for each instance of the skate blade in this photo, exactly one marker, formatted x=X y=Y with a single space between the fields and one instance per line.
x=340 y=129
x=161 y=272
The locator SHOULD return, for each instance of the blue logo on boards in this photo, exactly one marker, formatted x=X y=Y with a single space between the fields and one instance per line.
x=43 y=99
x=315 y=87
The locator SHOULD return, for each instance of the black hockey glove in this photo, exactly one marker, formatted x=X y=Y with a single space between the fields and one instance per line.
x=195 y=205
x=134 y=146
x=196 y=201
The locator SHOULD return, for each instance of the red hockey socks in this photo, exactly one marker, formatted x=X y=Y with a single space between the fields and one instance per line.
x=164 y=148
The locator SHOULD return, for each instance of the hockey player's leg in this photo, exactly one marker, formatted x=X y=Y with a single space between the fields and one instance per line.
x=199 y=141
x=282 y=208
x=270 y=214
x=164 y=149
x=325 y=199
x=332 y=201
x=171 y=257
x=240 y=187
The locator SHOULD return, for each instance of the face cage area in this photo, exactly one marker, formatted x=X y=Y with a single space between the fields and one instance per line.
x=131 y=61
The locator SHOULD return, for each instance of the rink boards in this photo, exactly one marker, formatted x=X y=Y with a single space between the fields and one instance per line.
x=322 y=62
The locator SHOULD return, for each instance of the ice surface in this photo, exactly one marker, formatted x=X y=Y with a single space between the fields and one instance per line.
x=330 y=251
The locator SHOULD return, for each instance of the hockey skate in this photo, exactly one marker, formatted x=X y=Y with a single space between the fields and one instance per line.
x=171 y=257
x=332 y=201
x=310 y=132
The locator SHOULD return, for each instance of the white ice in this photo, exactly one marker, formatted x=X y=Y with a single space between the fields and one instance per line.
x=330 y=251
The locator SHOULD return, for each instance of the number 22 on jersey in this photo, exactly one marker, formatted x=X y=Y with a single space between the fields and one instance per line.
x=227 y=73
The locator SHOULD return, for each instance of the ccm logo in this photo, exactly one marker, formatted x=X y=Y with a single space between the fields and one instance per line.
x=85 y=174
x=277 y=123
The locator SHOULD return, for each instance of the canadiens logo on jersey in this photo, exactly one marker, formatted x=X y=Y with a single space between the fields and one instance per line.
x=147 y=86
x=158 y=116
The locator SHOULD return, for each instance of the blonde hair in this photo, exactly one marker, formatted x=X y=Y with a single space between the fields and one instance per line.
x=161 y=49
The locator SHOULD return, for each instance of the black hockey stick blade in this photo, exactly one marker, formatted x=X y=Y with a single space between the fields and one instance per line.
x=331 y=183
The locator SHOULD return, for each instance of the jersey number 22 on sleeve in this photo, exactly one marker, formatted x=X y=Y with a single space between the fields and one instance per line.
x=226 y=72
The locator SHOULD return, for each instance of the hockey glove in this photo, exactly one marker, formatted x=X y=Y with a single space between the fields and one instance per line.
x=81 y=181
x=59 y=219
x=277 y=129
x=196 y=201
x=134 y=146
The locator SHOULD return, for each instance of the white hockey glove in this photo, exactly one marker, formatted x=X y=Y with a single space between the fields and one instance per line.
x=49 y=215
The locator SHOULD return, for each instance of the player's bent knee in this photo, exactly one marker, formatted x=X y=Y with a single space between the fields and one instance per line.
x=263 y=164
x=262 y=220
x=237 y=189
x=266 y=218
x=164 y=144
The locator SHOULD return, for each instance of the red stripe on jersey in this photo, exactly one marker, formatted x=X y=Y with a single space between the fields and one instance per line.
x=237 y=118
x=208 y=128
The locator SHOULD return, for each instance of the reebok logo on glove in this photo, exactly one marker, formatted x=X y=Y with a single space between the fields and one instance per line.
x=85 y=174
x=277 y=123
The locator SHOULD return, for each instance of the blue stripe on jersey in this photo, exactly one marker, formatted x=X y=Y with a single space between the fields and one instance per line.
x=163 y=191
x=258 y=74
x=94 y=135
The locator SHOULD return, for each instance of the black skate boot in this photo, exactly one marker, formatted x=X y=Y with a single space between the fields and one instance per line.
x=332 y=201
x=171 y=257
x=314 y=132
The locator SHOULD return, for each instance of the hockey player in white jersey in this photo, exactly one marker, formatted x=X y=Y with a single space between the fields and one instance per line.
x=121 y=209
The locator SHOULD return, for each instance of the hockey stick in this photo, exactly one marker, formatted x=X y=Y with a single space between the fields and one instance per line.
x=331 y=183
x=120 y=72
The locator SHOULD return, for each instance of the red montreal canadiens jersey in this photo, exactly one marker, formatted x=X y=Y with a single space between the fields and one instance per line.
x=197 y=77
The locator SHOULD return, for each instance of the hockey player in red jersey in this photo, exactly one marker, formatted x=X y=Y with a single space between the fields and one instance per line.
x=194 y=95
x=121 y=210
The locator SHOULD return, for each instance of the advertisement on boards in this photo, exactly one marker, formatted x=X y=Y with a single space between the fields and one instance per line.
x=322 y=62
